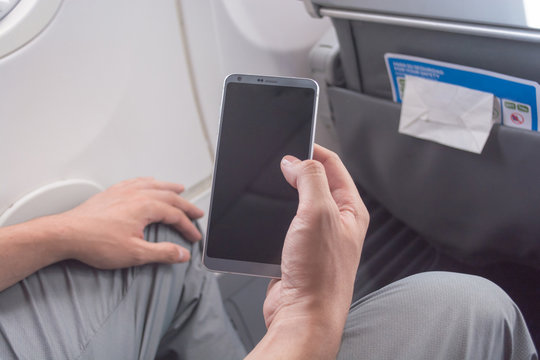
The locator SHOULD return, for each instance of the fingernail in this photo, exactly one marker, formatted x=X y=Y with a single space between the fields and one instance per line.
x=288 y=160
x=182 y=256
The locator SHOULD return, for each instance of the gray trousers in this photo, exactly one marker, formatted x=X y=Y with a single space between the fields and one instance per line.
x=71 y=311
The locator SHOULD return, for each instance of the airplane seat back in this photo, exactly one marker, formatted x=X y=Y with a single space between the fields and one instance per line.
x=479 y=208
x=434 y=207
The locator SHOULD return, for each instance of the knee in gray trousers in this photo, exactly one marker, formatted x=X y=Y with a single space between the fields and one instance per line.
x=437 y=315
x=72 y=311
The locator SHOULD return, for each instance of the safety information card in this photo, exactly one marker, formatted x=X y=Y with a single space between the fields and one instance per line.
x=517 y=99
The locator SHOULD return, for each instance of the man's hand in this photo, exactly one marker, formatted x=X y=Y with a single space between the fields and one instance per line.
x=306 y=310
x=107 y=230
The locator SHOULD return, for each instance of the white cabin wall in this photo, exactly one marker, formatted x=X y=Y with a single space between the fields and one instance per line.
x=271 y=37
x=102 y=94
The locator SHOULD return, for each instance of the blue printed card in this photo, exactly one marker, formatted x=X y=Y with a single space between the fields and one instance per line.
x=517 y=99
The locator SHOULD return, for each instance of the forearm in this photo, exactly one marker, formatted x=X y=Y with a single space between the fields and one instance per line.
x=298 y=339
x=28 y=247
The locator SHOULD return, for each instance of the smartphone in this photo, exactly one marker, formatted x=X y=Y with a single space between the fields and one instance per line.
x=263 y=118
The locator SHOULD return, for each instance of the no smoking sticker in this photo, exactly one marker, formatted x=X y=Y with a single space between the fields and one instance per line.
x=516 y=114
x=517 y=118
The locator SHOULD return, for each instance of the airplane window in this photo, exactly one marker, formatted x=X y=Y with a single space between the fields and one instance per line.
x=22 y=25
x=6 y=6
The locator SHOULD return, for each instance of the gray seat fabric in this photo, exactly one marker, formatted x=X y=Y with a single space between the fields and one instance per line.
x=480 y=208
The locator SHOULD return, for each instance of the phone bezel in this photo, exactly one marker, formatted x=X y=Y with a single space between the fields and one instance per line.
x=247 y=267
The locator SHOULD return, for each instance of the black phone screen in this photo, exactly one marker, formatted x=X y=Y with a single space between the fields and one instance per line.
x=252 y=204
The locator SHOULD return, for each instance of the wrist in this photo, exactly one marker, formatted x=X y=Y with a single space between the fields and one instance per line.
x=328 y=312
x=29 y=247
x=313 y=335
x=55 y=236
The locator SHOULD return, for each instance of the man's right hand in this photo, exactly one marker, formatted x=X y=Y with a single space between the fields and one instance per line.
x=306 y=310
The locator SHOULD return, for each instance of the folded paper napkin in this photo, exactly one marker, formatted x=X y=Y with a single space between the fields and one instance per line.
x=447 y=114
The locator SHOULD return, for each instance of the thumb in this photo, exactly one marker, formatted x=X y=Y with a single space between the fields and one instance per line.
x=289 y=168
x=309 y=177
x=165 y=252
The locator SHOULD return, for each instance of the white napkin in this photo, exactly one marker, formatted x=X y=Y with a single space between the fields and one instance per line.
x=447 y=114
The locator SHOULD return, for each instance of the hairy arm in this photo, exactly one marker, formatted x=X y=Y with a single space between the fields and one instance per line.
x=105 y=232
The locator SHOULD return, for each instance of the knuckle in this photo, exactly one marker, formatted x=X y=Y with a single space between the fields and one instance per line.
x=143 y=201
x=366 y=217
x=333 y=156
x=144 y=179
x=156 y=208
x=121 y=184
x=172 y=254
x=312 y=167
x=173 y=199
x=362 y=214
x=359 y=214
x=138 y=255
x=171 y=257
x=315 y=210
